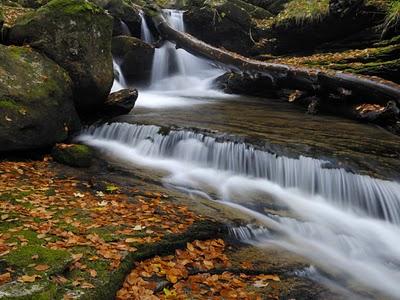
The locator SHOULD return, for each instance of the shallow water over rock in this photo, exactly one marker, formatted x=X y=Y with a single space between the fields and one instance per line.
x=285 y=129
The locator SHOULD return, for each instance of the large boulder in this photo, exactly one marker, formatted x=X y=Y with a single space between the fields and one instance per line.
x=36 y=105
x=76 y=34
x=229 y=24
x=122 y=11
x=1 y=19
x=304 y=26
x=135 y=58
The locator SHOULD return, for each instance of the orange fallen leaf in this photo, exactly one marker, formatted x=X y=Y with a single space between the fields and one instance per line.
x=172 y=278
x=6 y=277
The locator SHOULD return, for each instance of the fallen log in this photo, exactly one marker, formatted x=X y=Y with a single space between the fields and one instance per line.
x=315 y=82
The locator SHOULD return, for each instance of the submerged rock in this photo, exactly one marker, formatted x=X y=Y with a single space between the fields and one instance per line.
x=36 y=106
x=73 y=155
x=135 y=56
x=76 y=34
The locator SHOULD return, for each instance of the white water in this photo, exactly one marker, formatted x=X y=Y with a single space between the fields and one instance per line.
x=125 y=28
x=344 y=223
x=119 y=79
x=178 y=78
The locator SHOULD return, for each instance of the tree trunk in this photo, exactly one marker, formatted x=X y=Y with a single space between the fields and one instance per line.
x=322 y=83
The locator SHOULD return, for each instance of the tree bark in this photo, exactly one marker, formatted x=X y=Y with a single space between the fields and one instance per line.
x=322 y=83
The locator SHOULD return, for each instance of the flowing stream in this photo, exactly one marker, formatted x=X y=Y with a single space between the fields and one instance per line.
x=346 y=224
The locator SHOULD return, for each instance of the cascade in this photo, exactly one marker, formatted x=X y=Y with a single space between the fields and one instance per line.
x=346 y=224
x=375 y=197
x=336 y=219
x=119 y=79
x=145 y=33
x=125 y=28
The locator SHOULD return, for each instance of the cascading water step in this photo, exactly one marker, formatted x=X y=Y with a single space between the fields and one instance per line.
x=372 y=197
x=336 y=218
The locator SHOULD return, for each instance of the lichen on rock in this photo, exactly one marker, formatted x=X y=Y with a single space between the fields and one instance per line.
x=36 y=107
x=77 y=36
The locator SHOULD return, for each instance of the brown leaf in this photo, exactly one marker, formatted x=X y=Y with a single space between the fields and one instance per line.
x=41 y=268
x=77 y=256
x=93 y=273
x=6 y=277
x=87 y=285
x=27 y=278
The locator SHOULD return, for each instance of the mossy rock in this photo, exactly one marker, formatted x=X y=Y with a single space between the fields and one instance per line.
x=76 y=34
x=123 y=10
x=136 y=58
x=23 y=261
x=1 y=19
x=73 y=155
x=36 y=106
x=56 y=260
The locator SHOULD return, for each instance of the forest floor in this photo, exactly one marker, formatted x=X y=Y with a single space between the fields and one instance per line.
x=64 y=236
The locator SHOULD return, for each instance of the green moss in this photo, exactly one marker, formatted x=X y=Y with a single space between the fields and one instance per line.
x=107 y=233
x=303 y=10
x=9 y=104
x=73 y=155
x=42 y=290
x=1 y=18
x=110 y=188
x=392 y=13
x=71 y=7
x=57 y=260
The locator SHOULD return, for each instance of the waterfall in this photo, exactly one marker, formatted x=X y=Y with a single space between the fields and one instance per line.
x=119 y=79
x=145 y=33
x=343 y=222
x=125 y=28
x=375 y=197
x=169 y=62
x=178 y=78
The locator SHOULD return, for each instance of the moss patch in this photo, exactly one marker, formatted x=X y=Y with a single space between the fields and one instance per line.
x=73 y=155
x=33 y=255
x=303 y=10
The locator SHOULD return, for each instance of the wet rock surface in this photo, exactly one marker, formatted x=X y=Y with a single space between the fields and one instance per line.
x=121 y=102
x=36 y=104
x=136 y=58
x=285 y=129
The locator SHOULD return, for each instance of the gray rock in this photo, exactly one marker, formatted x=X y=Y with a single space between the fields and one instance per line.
x=36 y=105
x=76 y=34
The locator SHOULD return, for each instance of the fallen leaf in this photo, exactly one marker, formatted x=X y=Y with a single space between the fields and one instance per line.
x=41 y=268
x=28 y=278
x=260 y=284
x=87 y=285
x=6 y=277
x=93 y=273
